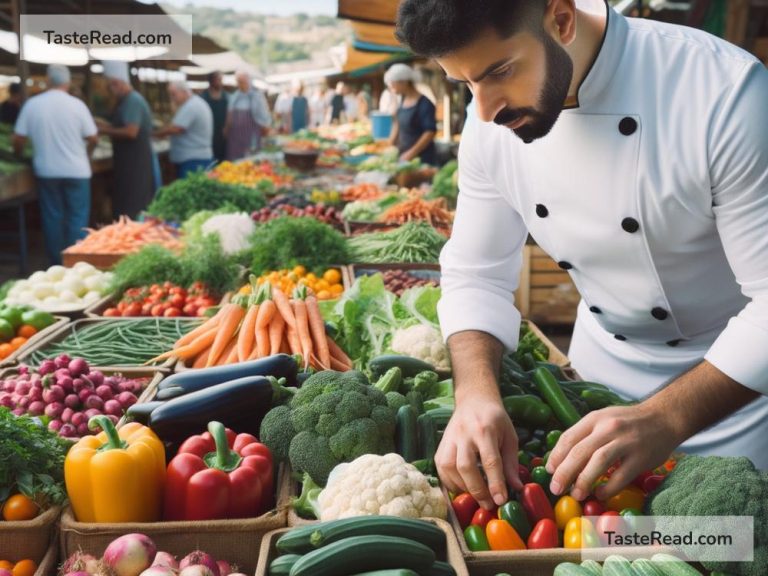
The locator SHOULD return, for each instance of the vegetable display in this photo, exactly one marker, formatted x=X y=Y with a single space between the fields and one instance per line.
x=363 y=191
x=398 y=281
x=327 y=284
x=445 y=183
x=414 y=242
x=249 y=173
x=126 y=236
x=18 y=324
x=658 y=565
x=23 y=567
x=60 y=289
x=323 y=213
x=434 y=212
x=68 y=392
x=120 y=342
x=165 y=300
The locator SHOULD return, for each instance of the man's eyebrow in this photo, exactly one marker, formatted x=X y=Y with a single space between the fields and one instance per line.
x=485 y=72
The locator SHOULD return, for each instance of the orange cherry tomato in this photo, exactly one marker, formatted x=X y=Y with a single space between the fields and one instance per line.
x=26 y=331
x=24 y=567
x=6 y=565
x=19 y=507
x=501 y=536
x=629 y=497
x=18 y=342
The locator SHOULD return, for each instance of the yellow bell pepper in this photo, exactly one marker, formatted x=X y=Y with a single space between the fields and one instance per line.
x=116 y=476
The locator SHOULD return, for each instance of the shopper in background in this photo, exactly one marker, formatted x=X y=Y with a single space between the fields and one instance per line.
x=191 y=130
x=299 y=108
x=9 y=109
x=389 y=102
x=351 y=104
x=364 y=101
x=282 y=111
x=130 y=128
x=217 y=100
x=63 y=134
x=336 y=105
x=248 y=119
x=318 y=106
x=414 y=126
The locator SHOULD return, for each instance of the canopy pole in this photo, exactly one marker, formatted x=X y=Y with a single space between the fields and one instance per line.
x=18 y=8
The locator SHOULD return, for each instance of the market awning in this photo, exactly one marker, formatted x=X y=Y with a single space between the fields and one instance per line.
x=375 y=11
x=361 y=62
x=376 y=37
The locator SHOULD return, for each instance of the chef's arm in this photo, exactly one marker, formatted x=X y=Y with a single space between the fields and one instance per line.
x=420 y=145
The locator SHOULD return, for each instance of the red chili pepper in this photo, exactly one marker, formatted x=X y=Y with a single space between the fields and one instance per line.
x=464 y=505
x=536 y=503
x=652 y=482
x=219 y=475
x=543 y=535
x=525 y=474
x=482 y=516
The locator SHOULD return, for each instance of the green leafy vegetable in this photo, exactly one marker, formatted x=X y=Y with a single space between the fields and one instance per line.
x=445 y=184
x=414 y=242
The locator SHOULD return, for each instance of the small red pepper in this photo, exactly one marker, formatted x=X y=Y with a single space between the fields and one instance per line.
x=219 y=475
x=481 y=517
x=536 y=503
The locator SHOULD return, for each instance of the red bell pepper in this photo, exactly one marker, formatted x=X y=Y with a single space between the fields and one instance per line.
x=536 y=503
x=219 y=475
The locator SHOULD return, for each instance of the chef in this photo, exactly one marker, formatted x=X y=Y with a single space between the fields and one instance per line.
x=636 y=154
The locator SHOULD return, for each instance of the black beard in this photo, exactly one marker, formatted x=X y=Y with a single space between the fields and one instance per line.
x=559 y=73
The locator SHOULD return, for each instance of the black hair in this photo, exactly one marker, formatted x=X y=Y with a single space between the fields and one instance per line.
x=14 y=88
x=434 y=28
x=212 y=75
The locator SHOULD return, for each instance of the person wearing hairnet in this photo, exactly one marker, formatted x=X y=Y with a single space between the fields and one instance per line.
x=414 y=126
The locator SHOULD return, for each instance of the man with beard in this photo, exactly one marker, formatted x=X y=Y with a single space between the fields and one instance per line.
x=636 y=154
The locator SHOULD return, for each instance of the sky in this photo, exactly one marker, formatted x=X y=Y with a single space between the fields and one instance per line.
x=280 y=7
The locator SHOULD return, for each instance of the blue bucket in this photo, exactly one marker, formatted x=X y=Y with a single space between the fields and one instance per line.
x=381 y=125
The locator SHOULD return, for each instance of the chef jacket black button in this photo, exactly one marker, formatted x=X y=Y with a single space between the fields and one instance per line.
x=565 y=265
x=541 y=211
x=627 y=126
x=620 y=337
x=659 y=313
x=595 y=310
x=630 y=225
x=673 y=343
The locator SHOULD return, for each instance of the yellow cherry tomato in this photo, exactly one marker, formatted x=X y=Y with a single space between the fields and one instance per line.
x=324 y=295
x=579 y=532
x=566 y=508
x=629 y=497
x=332 y=276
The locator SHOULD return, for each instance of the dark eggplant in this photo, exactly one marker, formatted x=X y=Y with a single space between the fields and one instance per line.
x=141 y=412
x=279 y=366
x=239 y=404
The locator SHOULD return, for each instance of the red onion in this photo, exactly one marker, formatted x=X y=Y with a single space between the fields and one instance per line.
x=9 y=386
x=196 y=570
x=77 y=367
x=53 y=394
x=113 y=418
x=47 y=367
x=130 y=555
x=54 y=425
x=78 y=418
x=36 y=392
x=52 y=410
x=165 y=559
x=91 y=412
x=80 y=384
x=83 y=430
x=96 y=378
x=24 y=402
x=72 y=401
x=18 y=411
x=95 y=403
x=104 y=392
x=6 y=400
x=126 y=399
x=36 y=408
x=68 y=431
x=113 y=407
x=66 y=383
x=198 y=557
x=62 y=361
x=225 y=568
x=23 y=388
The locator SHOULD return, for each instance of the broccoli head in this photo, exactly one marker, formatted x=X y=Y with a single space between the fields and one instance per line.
x=395 y=400
x=311 y=453
x=276 y=431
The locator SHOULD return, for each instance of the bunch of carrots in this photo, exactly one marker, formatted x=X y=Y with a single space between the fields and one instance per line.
x=261 y=324
x=125 y=236
x=435 y=212
x=362 y=191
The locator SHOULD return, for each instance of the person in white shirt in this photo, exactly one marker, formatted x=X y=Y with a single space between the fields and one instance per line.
x=248 y=119
x=351 y=104
x=636 y=154
x=318 y=106
x=63 y=134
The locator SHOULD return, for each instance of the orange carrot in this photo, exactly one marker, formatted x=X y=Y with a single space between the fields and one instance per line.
x=284 y=307
x=230 y=319
x=317 y=329
x=201 y=359
x=336 y=365
x=229 y=356
x=267 y=312
x=285 y=348
x=204 y=327
x=247 y=333
x=302 y=329
x=294 y=344
x=338 y=353
x=276 y=331
x=190 y=350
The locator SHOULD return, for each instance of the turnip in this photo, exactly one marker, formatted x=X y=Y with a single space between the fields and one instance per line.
x=94 y=402
x=165 y=559
x=225 y=568
x=66 y=383
x=68 y=431
x=196 y=570
x=126 y=399
x=53 y=394
x=55 y=425
x=54 y=410
x=72 y=401
x=47 y=367
x=23 y=388
x=113 y=407
x=84 y=394
x=104 y=392
x=198 y=557
x=78 y=418
x=130 y=555
x=96 y=378
x=80 y=562
x=159 y=571
x=62 y=361
x=36 y=408
x=24 y=402
x=82 y=429
x=77 y=367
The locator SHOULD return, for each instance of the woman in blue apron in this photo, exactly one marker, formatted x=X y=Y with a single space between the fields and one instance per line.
x=415 y=126
x=248 y=119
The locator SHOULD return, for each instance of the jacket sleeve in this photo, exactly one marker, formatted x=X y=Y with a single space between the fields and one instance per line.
x=738 y=145
x=480 y=264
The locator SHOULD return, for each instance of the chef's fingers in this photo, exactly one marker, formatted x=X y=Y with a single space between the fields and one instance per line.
x=445 y=462
x=631 y=466
x=466 y=464
x=489 y=447
x=598 y=463
x=567 y=441
x=509 y=446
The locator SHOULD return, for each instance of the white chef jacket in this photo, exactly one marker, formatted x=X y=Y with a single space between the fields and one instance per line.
x=653 y=194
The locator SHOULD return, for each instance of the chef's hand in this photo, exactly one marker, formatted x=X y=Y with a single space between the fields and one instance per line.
x=479 y=426
x=636 y=436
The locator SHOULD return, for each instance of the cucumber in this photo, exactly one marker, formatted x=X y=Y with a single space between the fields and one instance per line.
x=673 y=566
x=427 y=436
x=296 y=540
x=364 y=553
x=440 y=416
x=644 y=567
x=408 y=366
x=615 y=565
x=417 y=530
x=570 y=569
x=406 y=433
x=281 y=566
x=594 y=567
x=440 y=569
x=392 y=572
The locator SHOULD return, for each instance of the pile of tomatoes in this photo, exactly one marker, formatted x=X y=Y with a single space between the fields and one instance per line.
x=166 y=300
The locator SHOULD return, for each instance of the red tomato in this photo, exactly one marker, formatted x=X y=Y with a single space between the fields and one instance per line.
x=202 y=310
x=112 y=312
x=593 y=508
x=178 y=290
x=172 y=312
x=190 y=309
x=133 y=309
x=464 y=505
x=158 y=310
x=537 y=461
x=536 y=503
x=121 y=305
x=543 y=535
x=483 y=516
x=146 y=309
x=525 y=475
x=177 y=300
x=609 y=521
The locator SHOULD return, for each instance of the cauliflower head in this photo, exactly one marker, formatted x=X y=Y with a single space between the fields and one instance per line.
x=380 y=485
x=423 y=342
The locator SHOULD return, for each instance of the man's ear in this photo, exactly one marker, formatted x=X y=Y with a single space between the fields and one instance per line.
x=560 y=20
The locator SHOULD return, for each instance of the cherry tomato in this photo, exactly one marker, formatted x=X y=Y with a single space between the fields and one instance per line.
x=190 y=309
x=592 y=508
x=178 y=291
x=172 y=312
x=534 y=500
x=146 y=309
x=567 y=507
x=158 y=310
x=464 y=505
x=501 y=536
x=481 y=517
x=133 y=309
x=177 y=300
x=609 y=522
x=536 y=461
x=543 y=535
x=112 y=312
x=629 y=497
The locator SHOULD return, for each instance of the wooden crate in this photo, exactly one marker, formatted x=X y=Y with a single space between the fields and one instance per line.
x=546 y=294
x=11 y=359
x=556 y=356
x=100 y=261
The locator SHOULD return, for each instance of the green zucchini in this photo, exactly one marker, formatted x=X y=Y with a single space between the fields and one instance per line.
x=594 y=567
x=440 y=569
x=364 y=553
x=673 y=566
x=406 y=433
x=615 y=565
x=281 y=566
x=392 y=572
x=644 y=567
x=408 y=366
x=570 y=569
x=296 y=540
x=417 y=530
x=440 y=416
x=427 y=436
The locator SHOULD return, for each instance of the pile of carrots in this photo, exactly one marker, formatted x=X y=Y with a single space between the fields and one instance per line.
x=126 y=236
x=261 y=324
x=435 y=212
x=363 y=191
